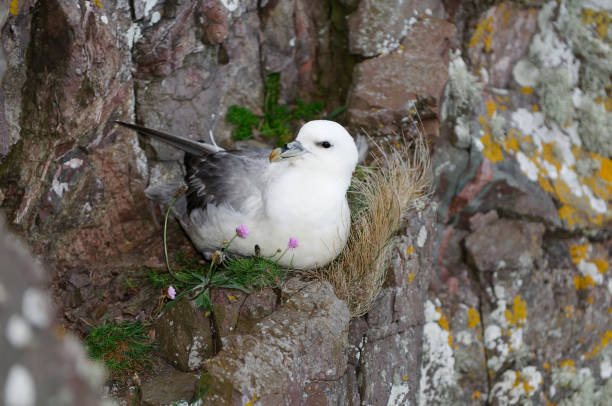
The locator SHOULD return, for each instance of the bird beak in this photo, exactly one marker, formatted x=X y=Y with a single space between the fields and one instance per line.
x=292 y=149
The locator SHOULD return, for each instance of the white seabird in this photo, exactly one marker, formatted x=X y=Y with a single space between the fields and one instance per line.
x=298 y=191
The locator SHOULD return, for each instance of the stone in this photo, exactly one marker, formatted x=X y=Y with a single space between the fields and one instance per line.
x=39 y=360
x=378 y=27
x=387 y=87
x=505 y=244
x=501 y=38
x=185 y=336
x=255 y=307
x=302 y=342
x=169 y=388
x=226 y=305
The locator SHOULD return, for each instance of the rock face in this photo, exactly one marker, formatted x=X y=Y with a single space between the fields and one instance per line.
x=519 y=309
x=38 y=363
x=515 y=101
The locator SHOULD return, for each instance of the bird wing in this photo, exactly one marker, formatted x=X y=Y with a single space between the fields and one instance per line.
x=236 y=178
x=190 y=146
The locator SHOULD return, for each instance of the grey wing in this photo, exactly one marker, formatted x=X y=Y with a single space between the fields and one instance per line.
x=236 y=178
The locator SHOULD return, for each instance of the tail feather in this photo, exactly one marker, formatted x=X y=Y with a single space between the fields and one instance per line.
x=184 y=144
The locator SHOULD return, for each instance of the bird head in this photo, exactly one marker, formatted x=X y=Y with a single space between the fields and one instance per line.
x=320 y=144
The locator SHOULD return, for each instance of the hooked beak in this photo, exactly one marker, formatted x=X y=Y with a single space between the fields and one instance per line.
x=294 y=148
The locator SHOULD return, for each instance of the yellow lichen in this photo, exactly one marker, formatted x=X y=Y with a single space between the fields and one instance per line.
x=518 y=314
x=526 y=90
x=252 y=401
x=602 y=265
x=483 y=33
x=98 y=3
x=491 y=151
x=443 y=321
x=409 y=250
x=605 y=340
x=546 y=366
x=476 y=395
x=601 y=20
x=410 y=277
x=404 y=378
x=583 y=282
x=578 y=252
x=14 y=7
x=450 y=339
x=569 y=215
x=473 y=317
x=491 y=107
x=511 y=142
x=232 y=298
x=566 y=363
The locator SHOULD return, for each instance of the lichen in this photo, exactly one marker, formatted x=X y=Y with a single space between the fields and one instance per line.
x=595 y=125
x=463 y=92
x=555 y=90
x=437 y=367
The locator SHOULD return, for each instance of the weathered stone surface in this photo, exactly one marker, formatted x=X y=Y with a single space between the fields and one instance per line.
x=303 y=341
x=505 y=244
x=378 y=27
x=500 y=39
x=383 y=354
x=168 y=389
x=420 y=66
x=15 y=26
x=226 y=305
x=36 y=363
x=256 y=306
x=535 y=327
x=185 y=336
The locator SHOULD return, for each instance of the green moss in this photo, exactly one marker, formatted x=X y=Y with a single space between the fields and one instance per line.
x=276 y=120
x=124 y=347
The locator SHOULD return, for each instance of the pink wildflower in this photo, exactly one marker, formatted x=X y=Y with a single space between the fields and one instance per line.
x=242 y=231
x=171 y=292
x=293 y=243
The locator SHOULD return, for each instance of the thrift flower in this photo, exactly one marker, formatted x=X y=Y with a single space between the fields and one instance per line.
x=171 y=292
x=242 y=231
x=293 y=243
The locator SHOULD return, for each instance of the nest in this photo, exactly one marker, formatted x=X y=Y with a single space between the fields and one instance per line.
x=381 y=196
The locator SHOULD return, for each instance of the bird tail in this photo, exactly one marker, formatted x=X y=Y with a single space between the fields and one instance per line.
x=185 y=144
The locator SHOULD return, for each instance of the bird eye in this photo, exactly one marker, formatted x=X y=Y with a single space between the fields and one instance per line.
x=325 y=144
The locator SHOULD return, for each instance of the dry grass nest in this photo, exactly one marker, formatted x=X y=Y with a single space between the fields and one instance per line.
x=398 y=180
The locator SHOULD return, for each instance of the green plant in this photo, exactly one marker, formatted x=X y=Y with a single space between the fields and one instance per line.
x=196 y=279
x=276 y=119
x=124 y=347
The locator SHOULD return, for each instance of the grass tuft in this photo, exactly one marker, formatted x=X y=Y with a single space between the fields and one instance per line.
x=276 y=120
x=124 y=347
x=195 y=279
x=380 y=196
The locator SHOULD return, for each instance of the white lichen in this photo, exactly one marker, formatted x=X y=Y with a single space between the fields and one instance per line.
x=19 y=388
x=18 y=331
x=195 y=353
x=463 y=92
x=438 y=364
x=36 y=306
